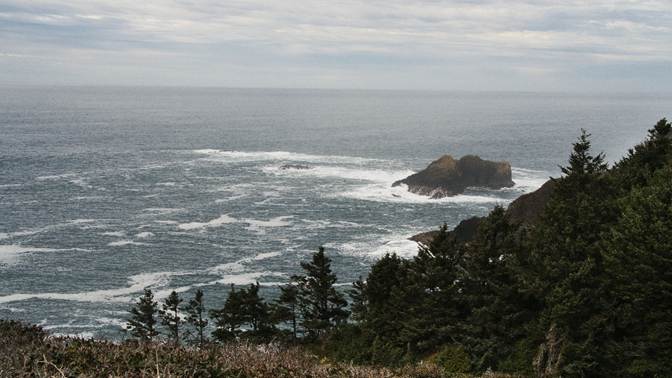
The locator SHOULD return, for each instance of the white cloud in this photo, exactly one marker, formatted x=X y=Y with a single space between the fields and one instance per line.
x=317 y=43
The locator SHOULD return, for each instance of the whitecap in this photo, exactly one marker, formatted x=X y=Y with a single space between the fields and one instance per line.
x=114 y=233
x=121 y=243
x=137 y=283
x=162 y=210
x=264 y=256
x=241 y=156
x=10 y=253
x=217 y=222
x=144 y=235
x=398 y=244
x=258 y=226
x=348 y=173
x=55 y=177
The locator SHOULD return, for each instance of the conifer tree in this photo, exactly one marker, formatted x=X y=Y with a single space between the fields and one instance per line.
x=359 y=304
x=639 y=262
x=230 y=317
x=569 y=260
x=286 y=309
x=170 y=316
x=256 y=312
x=322 y=306
x=142 y=323
x=196 y=315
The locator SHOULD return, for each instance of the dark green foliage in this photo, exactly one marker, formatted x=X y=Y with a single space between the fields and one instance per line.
x=231 y=317
x=170 y=316
x=142 y=323
x=196 y=316
x=244 y=313
x=452 y=359
x=322 y=306
x=639 y=263
x=285 y=309
x=584 y=291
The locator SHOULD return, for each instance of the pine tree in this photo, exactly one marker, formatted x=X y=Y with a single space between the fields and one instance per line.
x=142 y=323
x=196 y=311
x=170 y=316
x=322 y=306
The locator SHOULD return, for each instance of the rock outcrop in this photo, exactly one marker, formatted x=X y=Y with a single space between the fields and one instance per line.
x=448 y=177
x=464 y=232
x=526 y=210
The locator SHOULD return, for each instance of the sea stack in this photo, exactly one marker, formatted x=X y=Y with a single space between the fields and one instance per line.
x=448 y=177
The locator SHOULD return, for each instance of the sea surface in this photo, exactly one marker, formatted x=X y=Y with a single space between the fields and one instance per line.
x=106 y=191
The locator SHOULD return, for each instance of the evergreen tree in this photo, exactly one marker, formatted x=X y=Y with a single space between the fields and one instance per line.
x=492 y=287
x=322 y=306
x=644 y=159
x=243 y=308
x=195 y=310
x=286 y=307
x=170 y=316
x=359 y=303
x=231 y=317
x=142 y=323
x=639 y=262
x=569 y=260
x=256 y=313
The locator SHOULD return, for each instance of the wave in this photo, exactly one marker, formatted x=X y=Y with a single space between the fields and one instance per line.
x=217 y=222
x=229 y=273
x=122 y=243
x=137 y=283
x=258 y=226
x=397 y=243
x=378 y=184
x=9 y=254
x=5 y=186
x=241 y=156
x=118 y=234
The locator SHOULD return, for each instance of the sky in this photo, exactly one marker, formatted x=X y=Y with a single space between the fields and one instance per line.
x=501 y=45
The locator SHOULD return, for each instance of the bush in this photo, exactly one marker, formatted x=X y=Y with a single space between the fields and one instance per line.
x=452 y=359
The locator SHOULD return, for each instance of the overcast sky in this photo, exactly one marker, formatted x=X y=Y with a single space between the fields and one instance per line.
x=560 y=45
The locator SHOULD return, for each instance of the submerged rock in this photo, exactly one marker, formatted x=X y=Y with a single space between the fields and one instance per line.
x=295 y=166
x=448 y=177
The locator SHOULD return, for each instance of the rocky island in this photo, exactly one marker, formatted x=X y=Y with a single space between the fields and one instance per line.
x=448 y=177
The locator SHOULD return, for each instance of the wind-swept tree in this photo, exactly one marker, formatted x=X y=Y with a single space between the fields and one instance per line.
x=196 y=315
x=170 y=316
x=322 y=306
x=142 y=323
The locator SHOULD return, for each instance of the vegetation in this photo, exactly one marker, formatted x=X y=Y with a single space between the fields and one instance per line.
x=584 y=291
x=28 y=351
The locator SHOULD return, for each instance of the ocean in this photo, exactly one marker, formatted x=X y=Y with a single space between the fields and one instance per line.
x=107 y=190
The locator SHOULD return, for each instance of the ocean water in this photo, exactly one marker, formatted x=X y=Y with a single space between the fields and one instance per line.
x=106 y=191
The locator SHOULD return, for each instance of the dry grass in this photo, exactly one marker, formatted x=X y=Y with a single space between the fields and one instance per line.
x=28 y=351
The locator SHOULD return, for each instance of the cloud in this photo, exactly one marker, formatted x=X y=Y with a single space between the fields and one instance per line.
x=323 y=43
